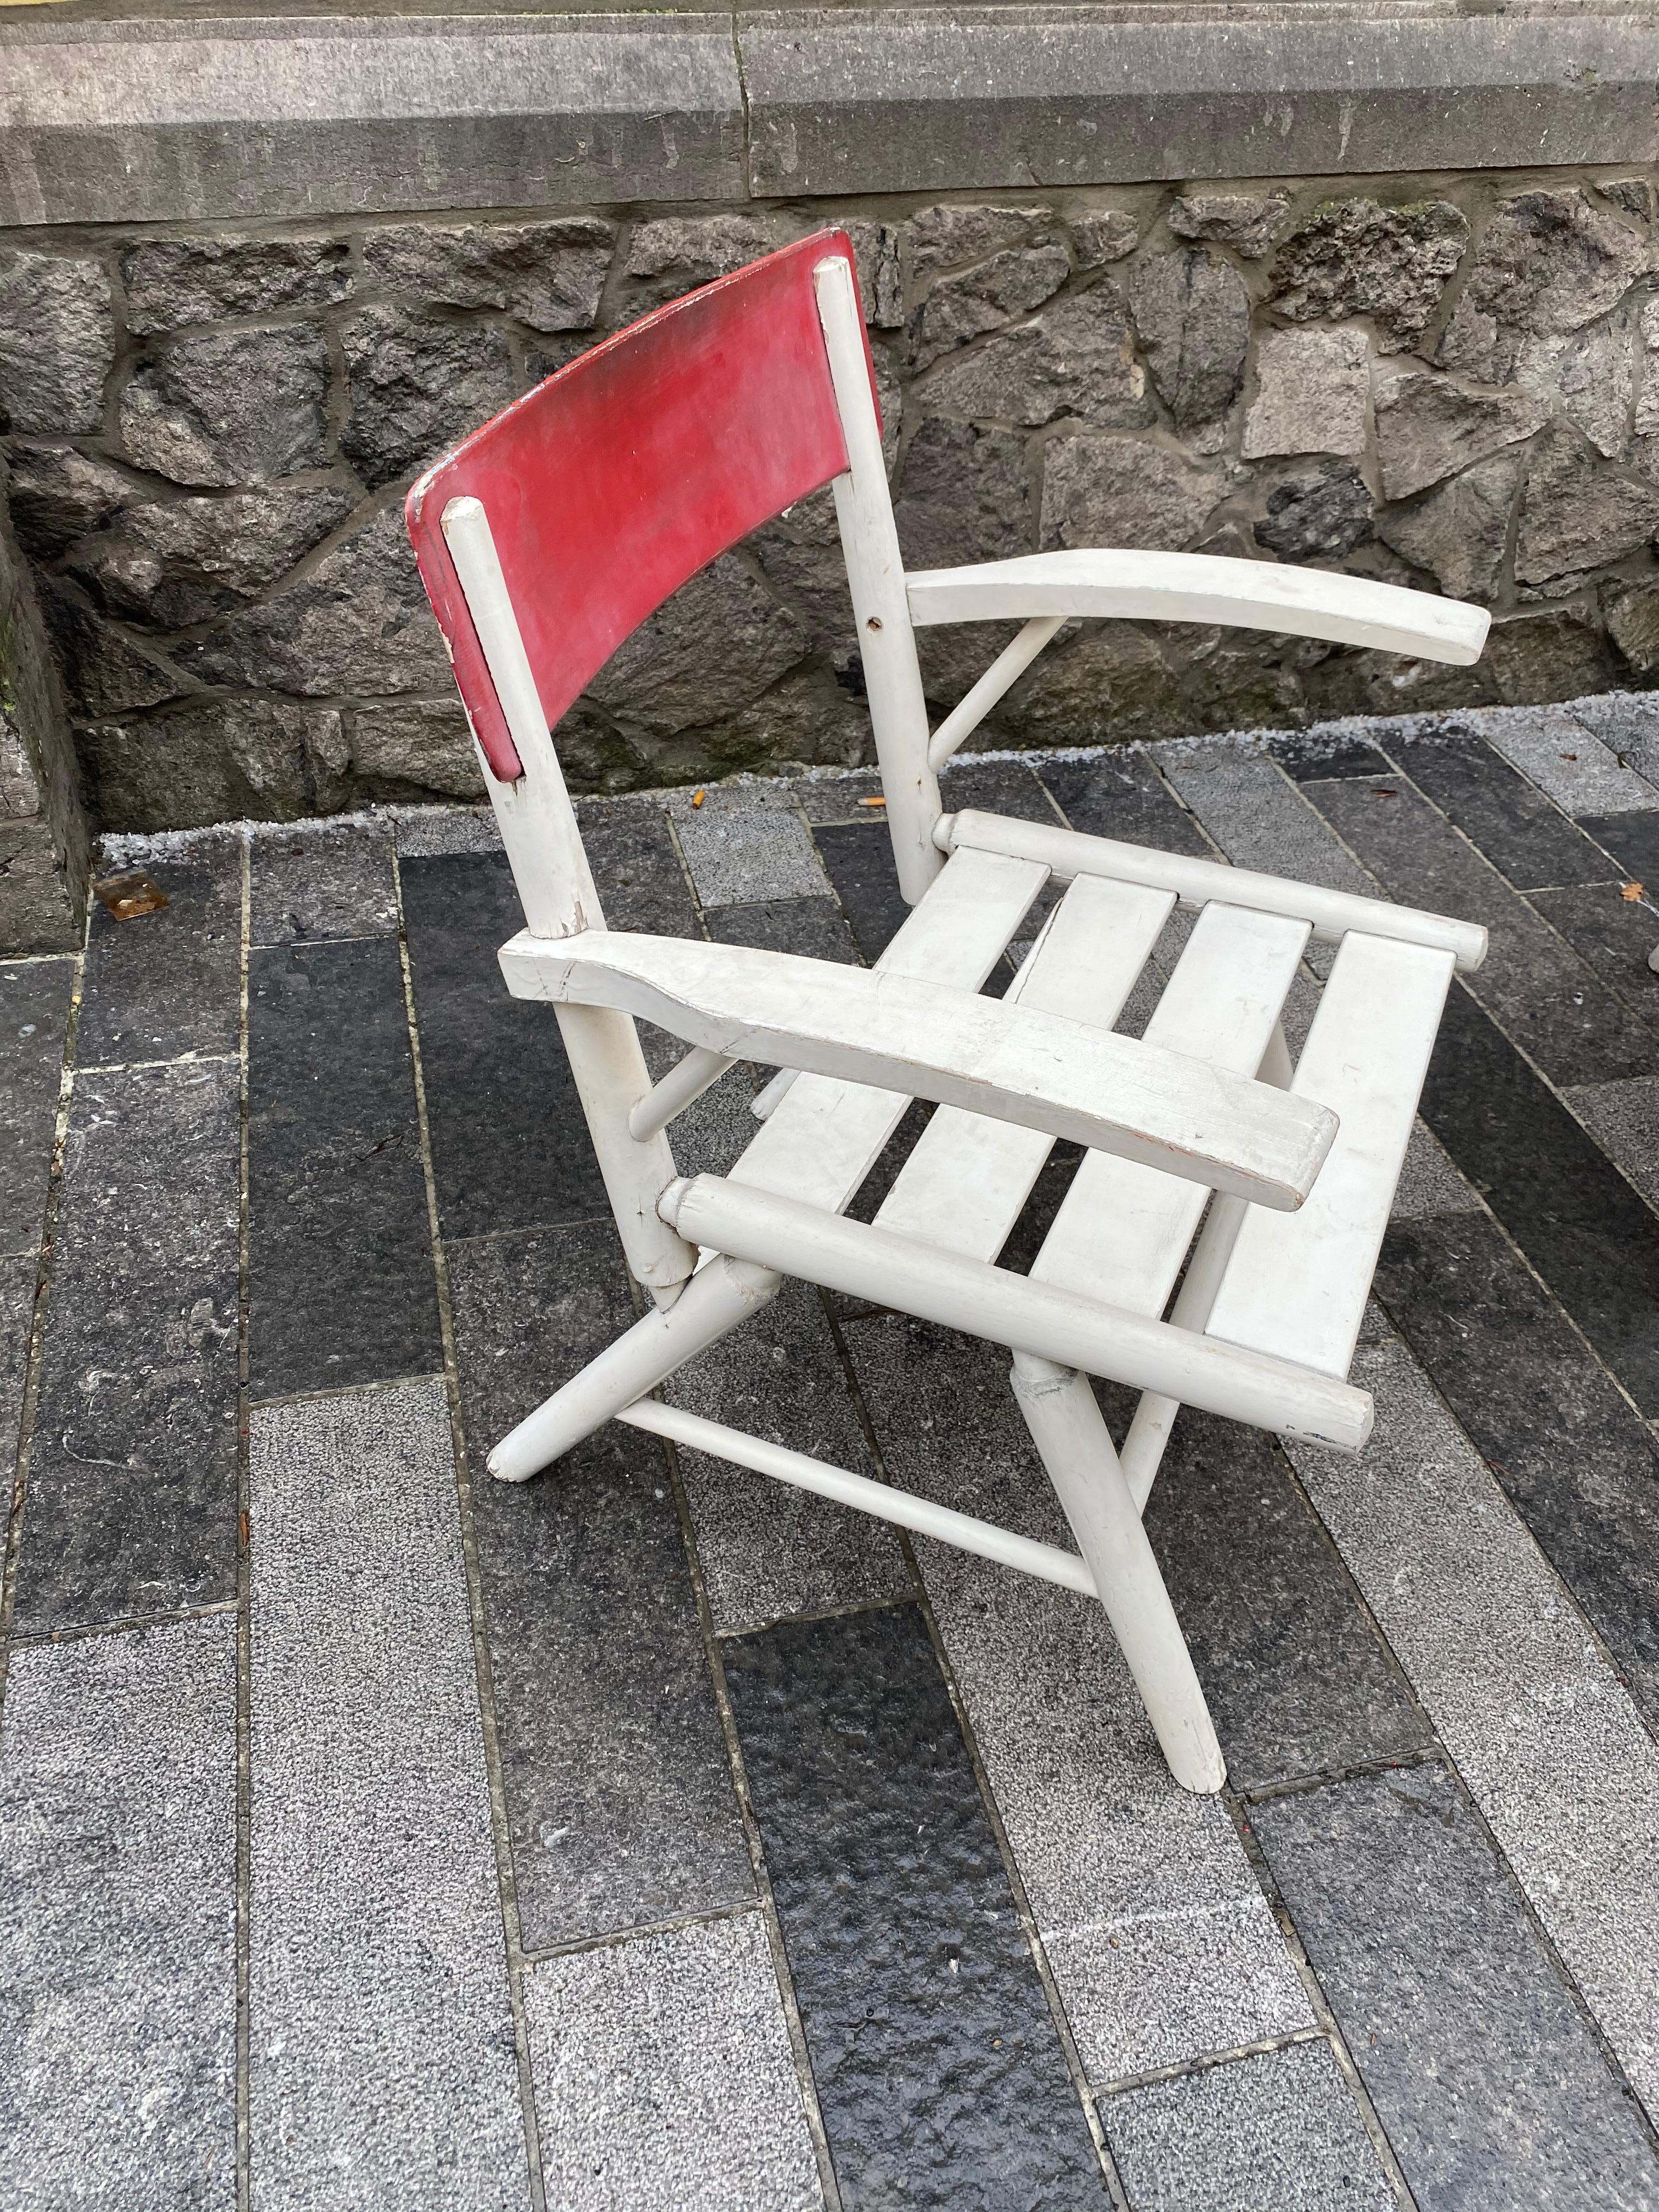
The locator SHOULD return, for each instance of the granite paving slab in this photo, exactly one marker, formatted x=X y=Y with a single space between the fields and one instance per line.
x=636 y=871
x=339 y=1240
x=1480 y=2063
x=744 y=841
x=663 y=2077
x=1555 y=746
x=619 y=1799
x=1614 y=935
x=132 y=1487
x=1120 y=794
x=118 y=1921
x=1504 y=813
x=1624 y=1120
x=1429 y=1183
x=382 y=2064
x=1632 y=839
x=18 y=1280
x=165 y=984
x=813 y=927
x=34 y=1004
x=321 y=882
x=858 y=859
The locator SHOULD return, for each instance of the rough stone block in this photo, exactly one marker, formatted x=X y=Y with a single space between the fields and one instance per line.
x=417 y=384
x=44 y=863
x=420 y=744
x=1459 y=530
x=677 y=252
x=358 y=624
x=963 y=496
x=1533 y=658
x=57 y=342
x=171 y=280
x=174 y=562
x=59 y=495
x=1119 y=491
x=950 y=237
x=1577 y=511
x=548 y=275
x=715 y=646
x=231 y=407
x=1633 y=625
x=983 y=298
x=1356 y=258
x=1590 y=374
x=1250 y=223
x=1427 y=428
x=881 y=276
x=1110 y=683
x=103 y=672
x=224 y=760
x=1316 y=517
x=1549 y=261
x=1076 y=358
x=1108 y=234
x=1311 y=394
x=1194 y=316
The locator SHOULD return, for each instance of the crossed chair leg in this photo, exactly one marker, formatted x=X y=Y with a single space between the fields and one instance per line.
x=1065 y=1425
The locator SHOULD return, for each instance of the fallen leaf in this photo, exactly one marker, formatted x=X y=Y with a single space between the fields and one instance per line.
x=1383 y=791
x=129 y=896
x=1631 y=893
x=873 y=802
x=1571 y=756
x=698 y=796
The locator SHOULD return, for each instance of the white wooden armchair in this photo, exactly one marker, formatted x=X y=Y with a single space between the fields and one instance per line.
x=546 y=539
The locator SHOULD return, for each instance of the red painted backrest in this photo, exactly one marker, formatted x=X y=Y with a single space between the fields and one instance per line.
x=618 y=478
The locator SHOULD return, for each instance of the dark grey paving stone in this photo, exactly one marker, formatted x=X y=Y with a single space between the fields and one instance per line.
x=994 y=787
x=1278 y=2132
x=1258 y=817
x=381 y=2062
x=858 y=859
x=510 y=1148
x=169 y=982
x=1624 y=1120
x=813 y=927
x=838 y=798
x=1572 y=1213
x=664 y=2058
x=1632 y=839
x=340 y=1252
x=35 y=1000
x=426 y=832
x=619 y=1795
x=1297 y=1679
x=133 y=1496
x=1615 y=935
x=939 y=2069
x=17 y=1281
x=1504 y=813
x=1579 y=1465
x=636 y=871
x=1120 y=794
x=1342 y=756
x=1547 y=999
x=1487 y=2079
x=118 y=1921
x=321 y=883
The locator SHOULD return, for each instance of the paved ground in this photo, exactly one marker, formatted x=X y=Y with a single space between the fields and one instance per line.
x=374 y=1835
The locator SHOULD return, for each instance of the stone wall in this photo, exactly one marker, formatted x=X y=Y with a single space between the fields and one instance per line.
x=44 y=844
x=1450 y=382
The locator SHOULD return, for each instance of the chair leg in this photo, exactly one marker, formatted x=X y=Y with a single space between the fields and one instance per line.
x=713 y=1303
x=1071 y=1436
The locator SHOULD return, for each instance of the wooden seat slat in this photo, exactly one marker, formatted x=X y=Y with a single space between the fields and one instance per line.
x=1296 y=1284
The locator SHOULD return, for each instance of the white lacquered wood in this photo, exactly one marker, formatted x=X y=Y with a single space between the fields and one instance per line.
x=1154 y=1415
x=823 y=1138
x=1122 y=1229
x=1010 y=665
x=1116 y=1094
x=1068 y=853
x=555 y=888
x=1202 y=587
x=1072 y=1440
x=771 y=1096
x=684 y=1083
x=719 y=1296
x=1010 y=1310
x=967 y=1177
x=802 y=1472
x=1303 y=1297
x=875 y=576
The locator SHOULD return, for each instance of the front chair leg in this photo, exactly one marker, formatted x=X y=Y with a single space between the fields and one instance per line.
x=717 y=1297
x=1071 y=1438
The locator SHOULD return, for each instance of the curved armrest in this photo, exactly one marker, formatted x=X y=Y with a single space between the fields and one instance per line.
x=925 y=1040
x=1202 y=587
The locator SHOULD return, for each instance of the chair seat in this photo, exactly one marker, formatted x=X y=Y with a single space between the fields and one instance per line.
x=1296 y=1283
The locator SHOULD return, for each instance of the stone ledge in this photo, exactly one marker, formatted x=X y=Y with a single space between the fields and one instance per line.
x=280 y=116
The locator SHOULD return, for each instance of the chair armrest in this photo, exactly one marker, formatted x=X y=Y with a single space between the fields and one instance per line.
x=1202 y=587
x=925 y=1040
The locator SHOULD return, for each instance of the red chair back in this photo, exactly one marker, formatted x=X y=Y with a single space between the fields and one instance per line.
x=623 y=474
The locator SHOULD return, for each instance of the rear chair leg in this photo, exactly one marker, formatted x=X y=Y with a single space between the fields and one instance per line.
x=1067 y=1429
x=713 y=1302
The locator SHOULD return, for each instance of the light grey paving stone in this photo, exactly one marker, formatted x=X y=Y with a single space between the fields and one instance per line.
x=1564 y=758
x=769 y=1551
x=434 y=832
x=1547 y=1737
x=663 y=2077
x=321 y=880
x=382 y=2066
x=746 y=840
x=1624 y=1120
x=1258 y=817
x=1627 y=723
x=1276 y=2132
x=118 y=1922
x=1160 y=1939
x=1429 y=1184
x=1374 y=1324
